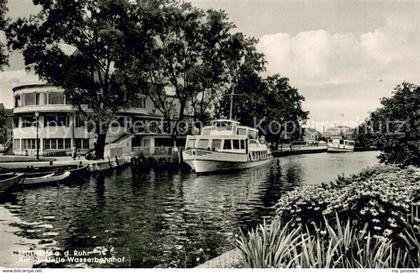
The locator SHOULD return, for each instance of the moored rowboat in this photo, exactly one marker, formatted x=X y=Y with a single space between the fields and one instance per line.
x=45 y=178
x=8 y=180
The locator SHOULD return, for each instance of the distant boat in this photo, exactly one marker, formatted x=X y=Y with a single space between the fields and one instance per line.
x=8 y=180
x=45 y=178
x=223 y=146
x=339 y=145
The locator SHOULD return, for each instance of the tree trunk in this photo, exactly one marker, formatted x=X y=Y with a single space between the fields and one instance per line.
x=100 y=146
x=100 y=143
x=180 y=118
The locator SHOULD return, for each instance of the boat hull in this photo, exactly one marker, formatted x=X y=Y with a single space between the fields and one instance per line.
x=208 y=166
x=8 y=183
x=202 y=161
x=339 y=150
x=47 y=179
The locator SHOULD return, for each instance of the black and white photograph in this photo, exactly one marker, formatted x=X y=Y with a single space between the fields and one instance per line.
x=209 y=134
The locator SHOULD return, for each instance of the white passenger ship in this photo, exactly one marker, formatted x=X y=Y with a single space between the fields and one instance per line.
x=338 y=145
x=225 y=145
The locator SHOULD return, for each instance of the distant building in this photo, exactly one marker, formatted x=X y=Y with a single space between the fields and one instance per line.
x=311 y=135
x=343 y=131
x=59 y=127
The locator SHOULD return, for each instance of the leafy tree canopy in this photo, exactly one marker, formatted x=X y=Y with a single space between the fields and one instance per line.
x=394 y=127
x=76 y=45
x=3 y=21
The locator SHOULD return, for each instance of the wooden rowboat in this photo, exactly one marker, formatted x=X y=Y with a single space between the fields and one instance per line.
x=8 y=180
x=45 y=178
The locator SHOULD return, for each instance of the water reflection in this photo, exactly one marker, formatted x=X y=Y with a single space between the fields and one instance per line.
x=166 y=218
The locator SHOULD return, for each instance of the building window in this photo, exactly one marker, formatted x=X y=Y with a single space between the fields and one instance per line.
x=30 y=98
x=55 y=98
x=47 y=145
x=53 y=145
x=37 y=102
x=29 y=144
x=67 y=143
x=82 y=143
x=28 y=121
x=18 y=102
x=16 y=144
x=80 y=121
x=60 y=144
x=59 y=120
x=16 y=122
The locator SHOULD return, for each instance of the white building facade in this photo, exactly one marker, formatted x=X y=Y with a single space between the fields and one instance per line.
x=45 y=123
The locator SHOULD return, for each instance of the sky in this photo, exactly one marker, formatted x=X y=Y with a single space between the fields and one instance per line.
x=342 y=55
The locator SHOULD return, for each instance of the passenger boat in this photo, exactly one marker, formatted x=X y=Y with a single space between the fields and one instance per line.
x=225 y=145
x=45 y=178
x=339 y=145
x=8 y=180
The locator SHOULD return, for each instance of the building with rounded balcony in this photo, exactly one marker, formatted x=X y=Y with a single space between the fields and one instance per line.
x=46 y=123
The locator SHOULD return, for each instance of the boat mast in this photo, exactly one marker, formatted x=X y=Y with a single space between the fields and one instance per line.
x=231 y=103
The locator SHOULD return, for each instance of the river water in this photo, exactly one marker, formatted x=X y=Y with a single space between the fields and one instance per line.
x=161 y=218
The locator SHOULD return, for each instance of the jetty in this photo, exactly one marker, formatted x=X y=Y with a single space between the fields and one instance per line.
x=298 y=149
x=18 y=164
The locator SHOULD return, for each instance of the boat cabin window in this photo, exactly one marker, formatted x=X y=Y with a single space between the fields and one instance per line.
x=341 y=141
x=206 y=131
x=350 y=142
x=236 y=144
x=227 y=145
x=203 y=143
x=216 y=144
x=242 y=131
x=190 y=143
x=223 y=125
x=243 y=144
x=252 y=134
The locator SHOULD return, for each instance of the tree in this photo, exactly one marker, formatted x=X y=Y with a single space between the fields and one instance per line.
x=191 y=55
x=270 y=104
x=3 y=125
x=284 y=107
x=90 y=75
x=394 y=127
x=3 y=21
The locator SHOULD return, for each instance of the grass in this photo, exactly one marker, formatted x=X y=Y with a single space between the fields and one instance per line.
x=278 y=245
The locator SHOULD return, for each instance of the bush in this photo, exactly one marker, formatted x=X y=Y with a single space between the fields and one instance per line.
x=380 y=198
x=344 y=246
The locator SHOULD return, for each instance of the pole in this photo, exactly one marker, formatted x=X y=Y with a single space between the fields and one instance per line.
x=37 y=136
x=231 y=104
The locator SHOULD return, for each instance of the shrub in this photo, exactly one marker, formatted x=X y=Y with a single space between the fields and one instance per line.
x=379 y=198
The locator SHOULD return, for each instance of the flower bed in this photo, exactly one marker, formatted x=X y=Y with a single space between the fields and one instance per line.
x=381 y=198
x=365 y=220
